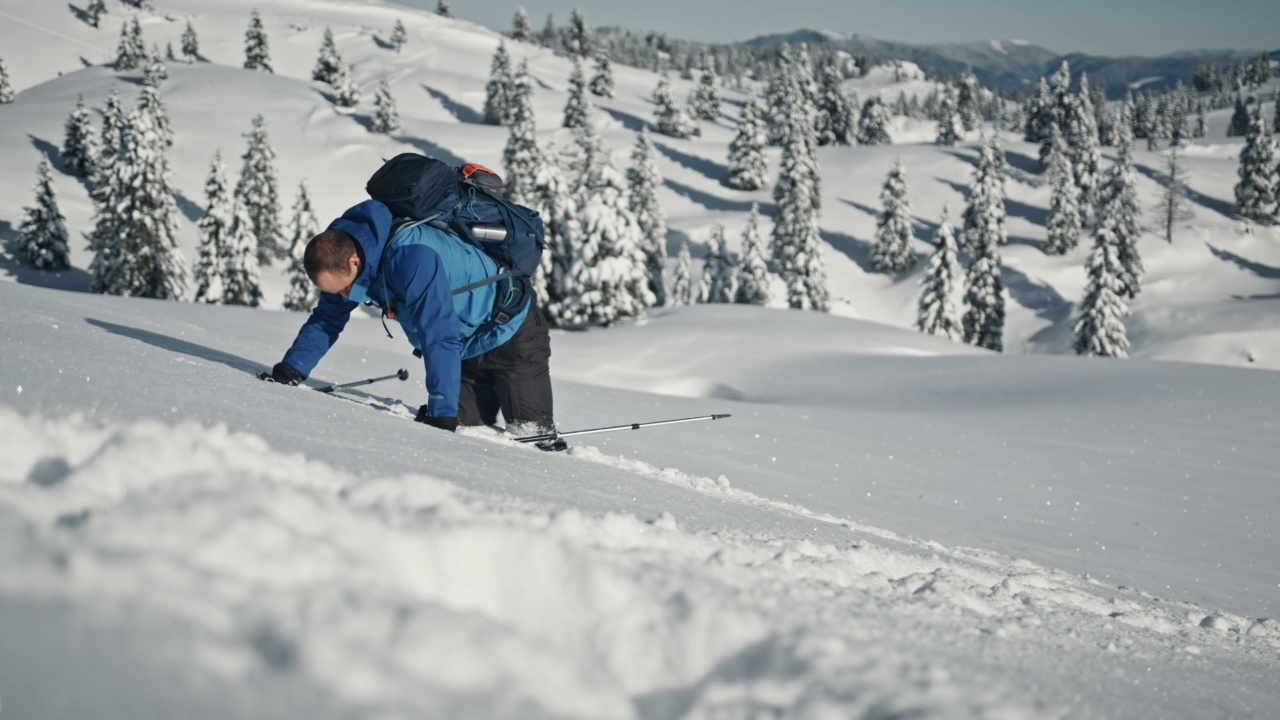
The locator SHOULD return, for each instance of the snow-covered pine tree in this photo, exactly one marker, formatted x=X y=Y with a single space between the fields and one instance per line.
x=257 y=54
x=113 y=123
x=1239 y=119
x=346 y=93
x=79 y=144
x=748 y=169
x=303 y=294
x=668 y=117
x=602 y=81
x=150 y=104
x=386 y=119
x=521 y=156
x=577 y=40
x=155 y=73
x=797 y=243
x=240 y=255
x=1086 y=152
x=42 y=235
x=752 y=280
x=1256 y=190
x=95 y=11
x=399 y=36
x=939 y=314
x=1275 y=113
x=329 y=62
x=190 y=44
x=1174 y=206
x=706 y=98
x=497 y=92
x=781 y=94
x=1065 y=220
x=442 y=8
x=131 y=52
x=873 y=125
x=521 y=30
x=214 y=228
x=551 y=195
x=1202 y=122
x=1100 y=328
x=257 y=191
x=6 y=90
x=549 y=36
x=949 y=127
x=1039 y=114
x=1119 y=207
x=893 y=253
x=682 y=283
x=984 y=233
x=835 y=121
x=643 y=182
x=1060 y=96
x=575 y=108
x=968 y=103
x=134 y=239
x=718 y=270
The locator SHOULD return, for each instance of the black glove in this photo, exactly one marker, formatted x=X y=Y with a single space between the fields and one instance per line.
x=444 y=423
x=283 y=373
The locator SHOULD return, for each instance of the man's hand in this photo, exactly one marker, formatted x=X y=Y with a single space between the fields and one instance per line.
x=444 y=423
x=283 y=373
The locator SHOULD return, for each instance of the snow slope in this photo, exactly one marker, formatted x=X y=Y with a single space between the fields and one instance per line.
x=890 y=524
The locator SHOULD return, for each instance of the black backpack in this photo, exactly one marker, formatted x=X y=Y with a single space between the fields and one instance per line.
x=467 y=202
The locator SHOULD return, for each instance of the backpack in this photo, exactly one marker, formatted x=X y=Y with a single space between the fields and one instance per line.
x=467 y=202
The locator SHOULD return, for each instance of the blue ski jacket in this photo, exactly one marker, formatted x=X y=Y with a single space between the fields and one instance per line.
x=413 y=282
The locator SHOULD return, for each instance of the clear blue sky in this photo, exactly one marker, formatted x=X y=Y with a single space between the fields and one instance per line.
x=1102 y=27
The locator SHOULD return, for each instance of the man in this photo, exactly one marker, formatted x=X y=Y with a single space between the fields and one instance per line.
x=474 y=366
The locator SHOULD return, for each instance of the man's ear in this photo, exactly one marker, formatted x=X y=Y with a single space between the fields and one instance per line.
x=353 y=262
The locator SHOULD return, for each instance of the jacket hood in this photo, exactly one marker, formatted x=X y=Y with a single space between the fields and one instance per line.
x=370 y=224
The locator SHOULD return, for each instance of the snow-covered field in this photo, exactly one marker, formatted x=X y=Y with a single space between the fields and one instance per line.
x=890 y=525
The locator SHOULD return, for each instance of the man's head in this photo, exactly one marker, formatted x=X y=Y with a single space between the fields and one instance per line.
x=333 y=261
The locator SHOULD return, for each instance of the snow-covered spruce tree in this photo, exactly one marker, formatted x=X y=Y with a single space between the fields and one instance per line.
x=1174 y=206
x=346 y=93
x=1100 y=328
x=497 y=92
x=214 y=227
x=521 y=30
x=796 y=246
x=1039 y=114
x=521 y=157
x=575 y=108
x=1086 y=152
x=257 y=54
x=150 y=104
x=1119 y=207
x=668 y=117
x=190 y=44
x=835 y=125
x=79 y=144
x=257 y=191
x=949 y=126
x=134 y=239
x=1256 y=191
x=240 y=258
x=399 y=36
x=155 y=73
x=718 y=270
x=1239 y=119
x=1275 y=122
x=1202 y=122
x=6 y=90
x=873 y=126
x=752 y=280
x=968 y=103
x=329 y=62
x=577 y=39
x=780 y=94
x=682 y=283
x=442 y=8
x=113 y=123
x=1060 y=95
x=95 y=11
x=706 y=98
x=386 y=119
x=551 y=195
x=939 y=314
x=643 y=182
x=748 y=169
x=130 y=53
x=549 y=36
x=894 y=234
x=302 y=295
x=602 y=81
x=42 y=236
x=984 y=232
x=1064 y=223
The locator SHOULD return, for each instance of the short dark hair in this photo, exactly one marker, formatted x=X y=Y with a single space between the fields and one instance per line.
x=329 y=252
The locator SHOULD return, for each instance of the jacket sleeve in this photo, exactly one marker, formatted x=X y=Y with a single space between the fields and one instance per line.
x=417 y=274
x=319 y=332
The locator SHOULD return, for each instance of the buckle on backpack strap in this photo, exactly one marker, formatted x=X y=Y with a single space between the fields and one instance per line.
x=502 y=318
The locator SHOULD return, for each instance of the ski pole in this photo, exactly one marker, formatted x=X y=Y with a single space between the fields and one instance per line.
x=632 y=426
x=401 y=374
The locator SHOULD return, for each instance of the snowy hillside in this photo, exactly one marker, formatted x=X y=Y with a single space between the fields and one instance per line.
x=890 y=525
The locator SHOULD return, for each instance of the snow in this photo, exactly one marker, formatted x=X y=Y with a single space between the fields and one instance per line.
x=890 y=524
